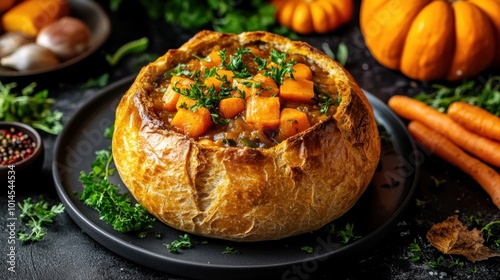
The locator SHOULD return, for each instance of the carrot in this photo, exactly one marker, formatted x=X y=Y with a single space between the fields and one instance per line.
x=302 y=71
x=264 y=86
x=263 y=112
x=475 y=119
x=292 y=121
x=483 y=174
x=193 y=124
x=412 y=109
x=230 y=107
x=221 y=77
x=297 y=90
x=171 y=97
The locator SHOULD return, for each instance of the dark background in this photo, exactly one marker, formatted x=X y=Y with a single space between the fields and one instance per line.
x=68 y=253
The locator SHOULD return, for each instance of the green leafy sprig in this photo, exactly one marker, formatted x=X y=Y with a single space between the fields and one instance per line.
x=34 y=109
x=114 y=208
x=36 y=216
x=486 y=96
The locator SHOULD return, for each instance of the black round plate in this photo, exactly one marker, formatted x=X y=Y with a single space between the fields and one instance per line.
x=98 y=22
x=373 y=216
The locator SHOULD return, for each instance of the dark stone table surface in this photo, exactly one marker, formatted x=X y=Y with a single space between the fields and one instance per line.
x=68 y=253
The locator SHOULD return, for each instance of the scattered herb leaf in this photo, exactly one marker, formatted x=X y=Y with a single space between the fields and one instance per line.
x=308 y=249
x=342 y=52
x=98 y=82
x=231 y=250
x=114 y=208
x=415 y=252
x=35 y=217
x=135 y=46
x=183 y=243
x=34 y=109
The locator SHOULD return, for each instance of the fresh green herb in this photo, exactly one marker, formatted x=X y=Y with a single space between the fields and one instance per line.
x=231 y=250
x=443 y=263
x=308 y=249
x=323 y=100
x=284 y=68
x=437 y=182
x=229 y=142
x=231 y=16
x=183 y=243
x=114 y=208
x=489 y=230
x=346 y=235
x=31 y=109
x=109 y=131
x=135 y=46
x=98 y=82
x=236 y=63
x=248 y=143
x=35 y=217
x=415 y=252
x=342 y=52
x=486 y=96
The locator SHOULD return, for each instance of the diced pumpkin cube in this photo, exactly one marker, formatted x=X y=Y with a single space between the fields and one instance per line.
x=170 y=97
x=297 y=90
x=264 y=86
x=263 y=112
x=221 y=77
x=230 y=107
x=184 y=102
x=243 y=88
x=212 y=60
x=193 y=124
x=292 y=121
x=302 y=71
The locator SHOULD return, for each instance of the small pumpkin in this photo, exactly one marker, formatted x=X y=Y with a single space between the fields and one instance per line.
x=313 y=16
x=433 y=40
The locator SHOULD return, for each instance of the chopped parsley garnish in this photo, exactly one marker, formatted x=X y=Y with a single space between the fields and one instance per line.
x=114 y=208
x=183 y=243
x=283 y=69
x=35 y=216
x=235 y=62
x=231 y=250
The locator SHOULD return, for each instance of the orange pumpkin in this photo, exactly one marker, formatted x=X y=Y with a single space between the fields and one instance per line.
x=433 y=40
x=313 y=16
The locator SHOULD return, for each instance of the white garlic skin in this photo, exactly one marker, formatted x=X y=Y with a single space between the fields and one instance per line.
x=11 y=41
x=66 y=38
x=30 y=57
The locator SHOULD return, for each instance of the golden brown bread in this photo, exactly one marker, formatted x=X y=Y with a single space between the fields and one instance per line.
x=241 y=193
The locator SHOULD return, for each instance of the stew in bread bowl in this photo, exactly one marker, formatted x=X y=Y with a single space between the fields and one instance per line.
x=245 y=137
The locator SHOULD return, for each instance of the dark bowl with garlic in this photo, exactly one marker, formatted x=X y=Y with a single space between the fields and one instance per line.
x=60 y=44
x=21 y=153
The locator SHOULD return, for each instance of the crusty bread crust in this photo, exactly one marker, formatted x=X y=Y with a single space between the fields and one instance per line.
x=246 y=194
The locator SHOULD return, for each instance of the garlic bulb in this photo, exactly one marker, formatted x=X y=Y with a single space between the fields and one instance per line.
x=11 y=41
x=66 y=38
x=29 y=57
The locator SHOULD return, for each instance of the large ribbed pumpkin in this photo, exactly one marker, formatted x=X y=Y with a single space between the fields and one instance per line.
x=433 y=40
x=313 y=16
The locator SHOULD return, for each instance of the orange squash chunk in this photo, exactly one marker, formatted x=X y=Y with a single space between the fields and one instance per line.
x=230 y=107
x=302 y=71
x=171 y=97
x=212 y=60
x=264 y=86
x=263 y=112
x=242 y=87
x=219 y=78
x=292 y=121
x=300 y=90
x=193 y=124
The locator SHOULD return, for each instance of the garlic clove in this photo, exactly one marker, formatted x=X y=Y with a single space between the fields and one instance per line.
x=11 y=41
x=30 y=57
x=66 y=38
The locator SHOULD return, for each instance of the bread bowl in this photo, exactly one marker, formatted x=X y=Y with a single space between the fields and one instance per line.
x=205 y=185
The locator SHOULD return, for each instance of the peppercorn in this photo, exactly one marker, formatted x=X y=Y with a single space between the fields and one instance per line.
x=15 y=146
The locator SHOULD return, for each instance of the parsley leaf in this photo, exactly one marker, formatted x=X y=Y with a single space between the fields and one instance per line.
x=114 y=208
x=283 y=68
x=183 y=243
x=35 y=217
x=34 y=109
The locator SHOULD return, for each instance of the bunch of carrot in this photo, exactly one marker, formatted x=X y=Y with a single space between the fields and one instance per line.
x=466 y=136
